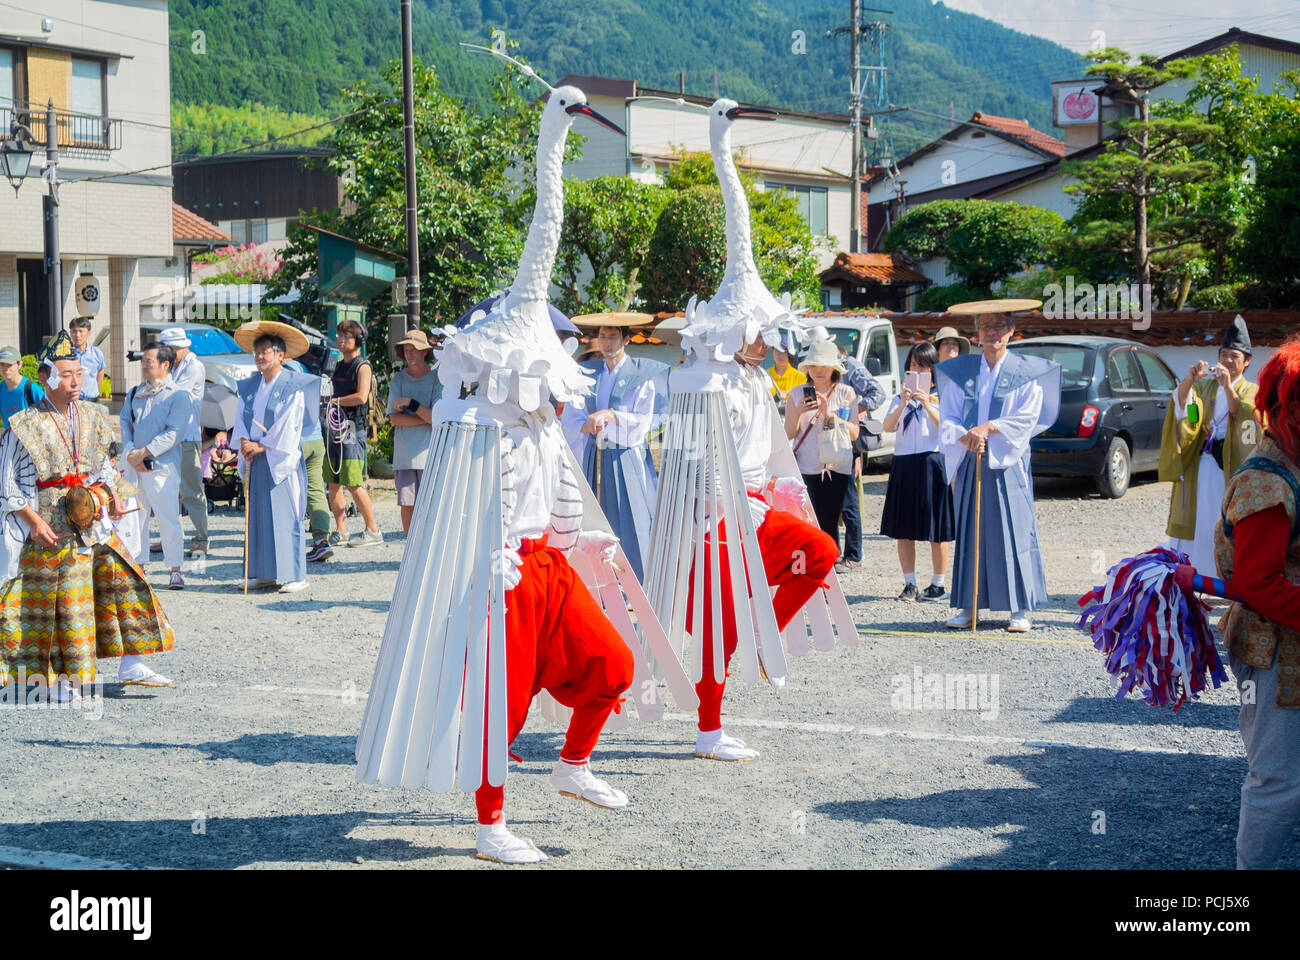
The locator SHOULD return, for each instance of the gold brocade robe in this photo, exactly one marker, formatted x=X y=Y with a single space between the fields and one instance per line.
x=1182 y=443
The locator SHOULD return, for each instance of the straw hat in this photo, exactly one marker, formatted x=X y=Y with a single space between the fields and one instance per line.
x=950 y=333
x=822 y=353
x=295 y=341
x=994 y=306
x=597 y=320
x=415 y=338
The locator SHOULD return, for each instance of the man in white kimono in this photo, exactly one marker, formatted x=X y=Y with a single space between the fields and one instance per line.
x=991 y=404
x=267 y=434
x=610 y=430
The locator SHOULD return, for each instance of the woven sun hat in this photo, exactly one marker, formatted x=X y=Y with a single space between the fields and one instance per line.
x=416 y=338
x=295 y=341
x=594 y=321
x=822 y=353
x=994 y=306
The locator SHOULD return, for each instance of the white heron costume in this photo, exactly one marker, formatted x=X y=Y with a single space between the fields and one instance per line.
x=729 y=484
x=487 y=611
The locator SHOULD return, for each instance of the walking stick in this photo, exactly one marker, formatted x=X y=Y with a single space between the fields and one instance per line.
x=248 y=476
x=975 y=606
x=599 y=467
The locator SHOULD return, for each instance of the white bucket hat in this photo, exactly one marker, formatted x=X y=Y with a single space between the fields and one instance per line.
x=823 y=353
x=174 y=337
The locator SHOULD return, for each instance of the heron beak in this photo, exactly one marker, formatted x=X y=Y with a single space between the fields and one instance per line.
x=757 y=113
x=587 y=111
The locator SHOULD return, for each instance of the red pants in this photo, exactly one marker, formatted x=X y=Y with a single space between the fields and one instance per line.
x=559 y=640
x=796 y=559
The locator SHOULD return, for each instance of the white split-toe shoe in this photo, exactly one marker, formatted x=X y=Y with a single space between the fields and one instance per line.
x=716 y=745
x=133 y=671
x=576 y=780
x=497 y=843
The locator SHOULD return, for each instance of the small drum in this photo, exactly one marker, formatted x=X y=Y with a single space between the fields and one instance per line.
x=84 y=505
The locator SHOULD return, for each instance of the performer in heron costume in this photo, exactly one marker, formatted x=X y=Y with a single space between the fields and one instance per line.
x=487 y=611
x=72 y=591
x=719 y=545
x=990 y=405
x=608 y=431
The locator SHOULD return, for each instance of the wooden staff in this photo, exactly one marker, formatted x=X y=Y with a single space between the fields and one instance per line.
x=975 y=606
x=248 y=484
x=599 y=467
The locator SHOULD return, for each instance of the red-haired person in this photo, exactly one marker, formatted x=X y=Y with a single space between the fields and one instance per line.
x=1257 y=548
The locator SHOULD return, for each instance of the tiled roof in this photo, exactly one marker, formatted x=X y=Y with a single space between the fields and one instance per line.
x=875 y=268
x=1021 y=130
x=190 y=226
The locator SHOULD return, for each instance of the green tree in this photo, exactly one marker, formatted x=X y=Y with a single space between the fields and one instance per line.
x=1271 y=241
x=688 y=251
x=995 y=240
x=608 y=223
x=471 y=212
x=1149 y=158
x=922 y=232
x=785 y=249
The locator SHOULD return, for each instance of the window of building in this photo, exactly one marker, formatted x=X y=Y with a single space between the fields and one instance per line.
x=257 y=231
x=86 y=98
x=811 y=202
x=6 y=79
x=238 y=231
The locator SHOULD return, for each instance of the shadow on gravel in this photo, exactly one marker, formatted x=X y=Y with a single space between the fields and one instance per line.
x=545 y=748
x=1159 y=811
x=225 y=843
x=303 y=606
x=1214 y=716
x=263 y=749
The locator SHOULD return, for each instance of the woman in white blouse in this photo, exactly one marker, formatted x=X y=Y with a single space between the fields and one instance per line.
x=820 y=422
x=918 y=500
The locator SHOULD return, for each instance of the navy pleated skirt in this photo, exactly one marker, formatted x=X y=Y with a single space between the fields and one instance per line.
x=918 y=503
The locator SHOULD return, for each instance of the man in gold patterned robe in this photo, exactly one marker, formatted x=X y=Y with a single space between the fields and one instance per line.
x=69 y=595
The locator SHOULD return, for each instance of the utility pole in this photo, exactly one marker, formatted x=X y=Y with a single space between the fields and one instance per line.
x=408 y=115
x=854 y=30
x=50 y=204
x=855 y=126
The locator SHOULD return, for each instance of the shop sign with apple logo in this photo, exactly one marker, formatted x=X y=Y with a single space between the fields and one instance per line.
x=1078 y=106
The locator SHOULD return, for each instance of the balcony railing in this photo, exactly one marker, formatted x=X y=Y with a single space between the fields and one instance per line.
x=79 y=134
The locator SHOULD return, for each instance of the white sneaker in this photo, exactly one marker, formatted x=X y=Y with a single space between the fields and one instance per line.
x=716 y=745
x=294 y=586
x=576 y=780
x=961 y=621
x=1019 y=623
x=260 y=582
x=133 y=671
x=497 y=843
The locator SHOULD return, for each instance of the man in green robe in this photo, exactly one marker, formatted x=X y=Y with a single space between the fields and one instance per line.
x=1209 y=430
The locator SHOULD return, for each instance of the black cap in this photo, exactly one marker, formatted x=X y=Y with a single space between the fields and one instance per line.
x=1237 y=336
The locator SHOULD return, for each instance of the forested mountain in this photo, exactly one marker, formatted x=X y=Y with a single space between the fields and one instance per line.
x=295 y=55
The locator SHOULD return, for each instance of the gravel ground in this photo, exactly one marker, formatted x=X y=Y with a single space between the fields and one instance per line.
x=247 y=761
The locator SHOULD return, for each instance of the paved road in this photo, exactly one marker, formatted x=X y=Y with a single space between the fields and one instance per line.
x=247 y=762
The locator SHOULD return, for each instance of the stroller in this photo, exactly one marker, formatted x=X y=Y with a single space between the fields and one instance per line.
x=221 y=483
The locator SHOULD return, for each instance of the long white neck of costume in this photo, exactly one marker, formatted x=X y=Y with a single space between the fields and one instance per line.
x=533 y=278
x=740 y=247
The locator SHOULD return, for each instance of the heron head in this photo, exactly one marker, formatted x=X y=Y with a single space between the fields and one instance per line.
x=573 y=101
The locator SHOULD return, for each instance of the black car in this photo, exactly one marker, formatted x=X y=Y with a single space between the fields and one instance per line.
x=1114 y=396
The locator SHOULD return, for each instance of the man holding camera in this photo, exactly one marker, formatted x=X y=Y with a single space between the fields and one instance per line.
x=1209 y=430
x=154 y=419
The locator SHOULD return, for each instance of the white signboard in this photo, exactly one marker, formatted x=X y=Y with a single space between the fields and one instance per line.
x=1075 y=104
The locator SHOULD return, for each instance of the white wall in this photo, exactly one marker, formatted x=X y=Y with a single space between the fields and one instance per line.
x=972 y=155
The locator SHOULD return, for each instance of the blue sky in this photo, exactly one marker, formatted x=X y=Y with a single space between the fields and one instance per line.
x=1149 y=26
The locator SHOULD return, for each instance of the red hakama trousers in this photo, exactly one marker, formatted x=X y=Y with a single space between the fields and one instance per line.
x=558 y=640
x=797 y=556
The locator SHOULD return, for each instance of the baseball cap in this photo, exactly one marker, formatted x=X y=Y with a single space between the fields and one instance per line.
x=10 y=355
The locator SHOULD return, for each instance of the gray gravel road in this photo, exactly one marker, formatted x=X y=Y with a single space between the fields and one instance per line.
x=247 y=762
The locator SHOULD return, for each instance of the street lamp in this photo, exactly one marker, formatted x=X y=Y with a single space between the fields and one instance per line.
x=15 y=159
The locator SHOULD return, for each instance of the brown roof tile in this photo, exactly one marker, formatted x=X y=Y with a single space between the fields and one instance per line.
x=187 y=225
x=1021 y=130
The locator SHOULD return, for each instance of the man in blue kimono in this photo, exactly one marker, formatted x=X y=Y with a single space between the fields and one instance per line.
x=268 y=434
x=629 y=397
x=991 y=404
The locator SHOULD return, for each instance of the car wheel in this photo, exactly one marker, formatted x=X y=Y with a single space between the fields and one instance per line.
x=1117 y=470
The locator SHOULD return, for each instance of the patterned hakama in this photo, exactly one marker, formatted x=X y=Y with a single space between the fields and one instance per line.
x=66 y=608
